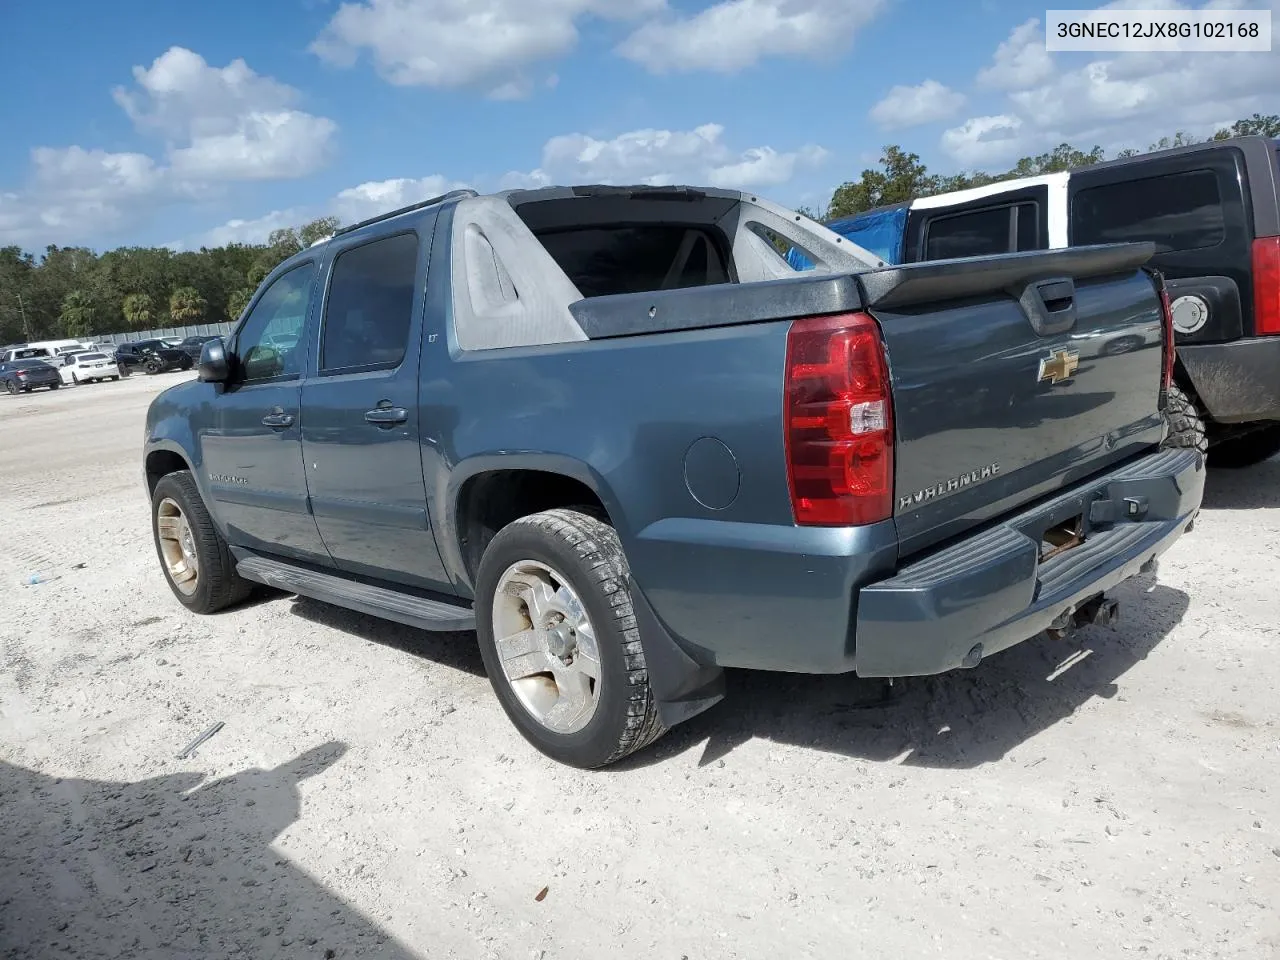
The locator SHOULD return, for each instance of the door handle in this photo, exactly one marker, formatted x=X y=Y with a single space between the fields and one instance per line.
x=278 y=419
x=386 y=416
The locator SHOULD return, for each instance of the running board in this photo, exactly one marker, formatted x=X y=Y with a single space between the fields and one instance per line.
x=376 y=601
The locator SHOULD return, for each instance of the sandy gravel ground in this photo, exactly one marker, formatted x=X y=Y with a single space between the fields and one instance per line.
x=1111 y=795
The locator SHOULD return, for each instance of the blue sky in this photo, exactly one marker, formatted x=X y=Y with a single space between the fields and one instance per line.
x=186 y=123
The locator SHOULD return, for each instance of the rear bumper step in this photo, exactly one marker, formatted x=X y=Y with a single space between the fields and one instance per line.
x=403 y=608
x=990 y=591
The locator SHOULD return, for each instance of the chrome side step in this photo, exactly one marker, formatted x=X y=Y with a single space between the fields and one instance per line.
x=377 y=601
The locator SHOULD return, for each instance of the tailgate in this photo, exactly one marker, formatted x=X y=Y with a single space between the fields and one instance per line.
x=1014 y=376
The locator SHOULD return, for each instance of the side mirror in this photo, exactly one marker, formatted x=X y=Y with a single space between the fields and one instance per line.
x=213 y=366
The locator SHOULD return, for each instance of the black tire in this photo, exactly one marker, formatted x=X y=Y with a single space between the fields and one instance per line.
x=152 y=367
x=218 y=585
x=184 y=363
x=75 y=380
x=586 y=551
x=11 y=386
x=1246 y=451
x=1186 y=425
x=115 y=377
x=54 y=386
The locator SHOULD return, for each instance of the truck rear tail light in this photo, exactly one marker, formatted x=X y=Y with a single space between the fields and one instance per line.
x=1266 y=286
x=838 y=421
x=1168 y=348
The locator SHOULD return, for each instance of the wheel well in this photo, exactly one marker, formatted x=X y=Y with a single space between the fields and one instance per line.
x=490 y=501
x=160 y=463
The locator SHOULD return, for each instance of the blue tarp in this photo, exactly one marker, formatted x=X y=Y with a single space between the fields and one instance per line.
x=878 y=231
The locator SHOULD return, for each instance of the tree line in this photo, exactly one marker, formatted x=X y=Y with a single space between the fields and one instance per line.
x=901 y=176
x=75 y=292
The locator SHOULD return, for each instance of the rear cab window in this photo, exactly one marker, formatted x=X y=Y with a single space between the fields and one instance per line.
x=1177 y=211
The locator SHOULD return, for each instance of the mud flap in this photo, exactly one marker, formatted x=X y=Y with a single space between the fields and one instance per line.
x=683 y=687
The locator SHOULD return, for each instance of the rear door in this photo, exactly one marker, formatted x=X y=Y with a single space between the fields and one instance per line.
x=1195 y=208
x=360 y=436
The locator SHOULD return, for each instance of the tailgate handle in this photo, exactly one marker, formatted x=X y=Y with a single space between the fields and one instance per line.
x=1050 y=305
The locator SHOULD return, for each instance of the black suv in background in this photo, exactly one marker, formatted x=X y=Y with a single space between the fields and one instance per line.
x=192 y=346
x=1213 y=211
x=152 y=356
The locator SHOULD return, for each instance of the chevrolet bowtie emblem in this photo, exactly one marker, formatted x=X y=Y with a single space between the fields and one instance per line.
x=1058 y=366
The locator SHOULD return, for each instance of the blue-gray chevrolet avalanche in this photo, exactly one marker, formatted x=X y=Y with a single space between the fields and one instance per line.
x=614 y=432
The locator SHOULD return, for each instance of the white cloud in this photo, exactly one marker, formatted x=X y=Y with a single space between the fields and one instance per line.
x=926 y=102
x=233 y=123
x=981 y=140
x=698 y=156
x=218 y=124
x=378 y=196
x=350 y=206
x=488 y=44
x=1020 y=61
x=734 y=34
x=1113 y=100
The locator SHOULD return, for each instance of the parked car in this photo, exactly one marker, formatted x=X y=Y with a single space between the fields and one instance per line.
x=151 y=356
x=192 y=346
x=27 y=353
x=1213 y=211
x=24 y=375
x=87 y=367
x=613 y=431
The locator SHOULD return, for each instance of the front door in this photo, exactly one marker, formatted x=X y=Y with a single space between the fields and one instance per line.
x=253 y=453
x=360 y=413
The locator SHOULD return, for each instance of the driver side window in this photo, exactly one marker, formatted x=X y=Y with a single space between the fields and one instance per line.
x=269 y=343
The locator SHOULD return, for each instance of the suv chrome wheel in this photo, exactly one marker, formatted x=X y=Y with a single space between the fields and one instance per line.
x=547 y=646
x=177 y=546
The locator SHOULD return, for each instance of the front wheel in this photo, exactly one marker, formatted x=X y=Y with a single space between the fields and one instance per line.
x=559 y=639
x=196 y=562
x=1186 y=425
x=152 y=367
x=75 y=380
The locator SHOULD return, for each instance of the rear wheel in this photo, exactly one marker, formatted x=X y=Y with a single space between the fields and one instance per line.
x=11 y=386
x=115 y=376
x=1248 y=450
x=54 y=386
x=75 y=380
x=196 y=561
x=1186 y=425
x=559 y=639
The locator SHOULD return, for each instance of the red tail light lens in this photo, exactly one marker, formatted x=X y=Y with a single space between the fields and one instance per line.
x=839 y=422
x=1169 y=350
x=1266 y=286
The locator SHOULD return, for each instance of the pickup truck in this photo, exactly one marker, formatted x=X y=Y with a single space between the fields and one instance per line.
x=1212 y=210
x=614 y=433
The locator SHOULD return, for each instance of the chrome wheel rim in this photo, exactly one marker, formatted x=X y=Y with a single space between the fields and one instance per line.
x=177 y=546
x=547 y=646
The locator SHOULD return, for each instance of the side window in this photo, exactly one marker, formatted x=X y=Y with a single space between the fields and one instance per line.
x=977 y=233
x=1178 y=211
x=268 y=344
x=369 y=309
x=1028 y=227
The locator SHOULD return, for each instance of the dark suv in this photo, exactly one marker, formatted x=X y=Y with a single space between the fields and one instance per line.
x=1213 y=211
x=152 y=356
x=192 y=346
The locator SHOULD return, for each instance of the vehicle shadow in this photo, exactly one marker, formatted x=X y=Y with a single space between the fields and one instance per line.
x=1249 y=488
x=169 y=866
x=459 y=651
x=961 y=719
